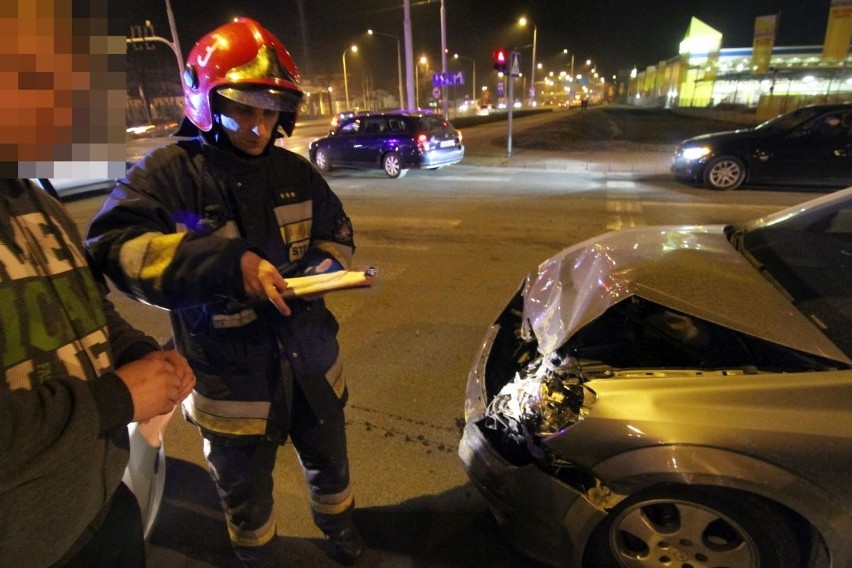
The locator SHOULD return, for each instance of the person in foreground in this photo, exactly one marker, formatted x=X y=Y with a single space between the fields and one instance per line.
x=75 y=375
x=205 y=228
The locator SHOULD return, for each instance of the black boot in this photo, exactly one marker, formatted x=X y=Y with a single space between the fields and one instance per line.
x=348 y=543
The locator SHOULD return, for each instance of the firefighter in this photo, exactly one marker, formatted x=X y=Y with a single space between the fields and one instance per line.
x=204 y=228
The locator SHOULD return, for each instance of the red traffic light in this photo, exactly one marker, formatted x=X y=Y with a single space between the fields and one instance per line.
x=501 y=58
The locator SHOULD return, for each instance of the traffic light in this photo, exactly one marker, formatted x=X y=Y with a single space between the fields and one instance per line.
x=501 y=59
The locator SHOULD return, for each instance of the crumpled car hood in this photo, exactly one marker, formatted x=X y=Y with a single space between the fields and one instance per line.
x=691 y=269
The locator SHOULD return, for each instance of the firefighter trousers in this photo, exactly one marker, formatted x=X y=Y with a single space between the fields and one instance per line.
x=244 y=481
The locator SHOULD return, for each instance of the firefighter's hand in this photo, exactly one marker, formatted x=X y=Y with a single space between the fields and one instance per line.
x=263 y=281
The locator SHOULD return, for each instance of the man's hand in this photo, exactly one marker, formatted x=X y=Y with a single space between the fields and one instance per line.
x=157 y=382
x=262 y=280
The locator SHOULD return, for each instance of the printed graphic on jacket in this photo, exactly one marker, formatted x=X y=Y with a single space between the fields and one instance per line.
x=51 y=318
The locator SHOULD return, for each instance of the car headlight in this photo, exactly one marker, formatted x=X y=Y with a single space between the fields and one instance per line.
x=696 y=152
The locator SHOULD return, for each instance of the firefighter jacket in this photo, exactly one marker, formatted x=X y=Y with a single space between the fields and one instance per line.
x=172 y=234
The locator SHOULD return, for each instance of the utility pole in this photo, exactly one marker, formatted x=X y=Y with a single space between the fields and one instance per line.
x=175 y=44
x=303 y=27
x=409 y=54
x=445 y=95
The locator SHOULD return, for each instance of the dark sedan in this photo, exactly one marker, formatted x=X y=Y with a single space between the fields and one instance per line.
x=809 y=146
x=392 y=141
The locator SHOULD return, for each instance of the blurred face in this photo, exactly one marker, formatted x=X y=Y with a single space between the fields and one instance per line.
x=248 y=128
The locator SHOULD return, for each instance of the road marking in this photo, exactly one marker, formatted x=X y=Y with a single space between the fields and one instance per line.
x=474 y=177
x=625 y=208
x=615 y=184
x=418 y=222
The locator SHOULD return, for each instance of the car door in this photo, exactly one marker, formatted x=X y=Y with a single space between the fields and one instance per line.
x=341 y=145
x=816 y=153
x=370 y=142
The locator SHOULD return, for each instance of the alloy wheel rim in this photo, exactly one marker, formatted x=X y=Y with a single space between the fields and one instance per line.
x=680 y=534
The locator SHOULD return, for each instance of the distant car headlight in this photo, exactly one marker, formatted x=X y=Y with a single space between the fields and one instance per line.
x=695 y=153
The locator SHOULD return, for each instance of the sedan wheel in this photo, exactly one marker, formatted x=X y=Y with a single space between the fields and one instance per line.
x=322 y=161
x=724 y=172
x=392 y=165
x=681 y=529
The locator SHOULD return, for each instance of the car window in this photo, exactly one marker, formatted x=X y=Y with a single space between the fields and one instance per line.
x=350 y=128
x=810 y=256
x=834 y=125
x=375 y=125
x=431 y=123
x=396 y=124
x=790 y=120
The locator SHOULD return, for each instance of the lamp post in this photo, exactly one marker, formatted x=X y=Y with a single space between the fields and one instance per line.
x=565 y=51
x=473 y=81
x=354 y=49
x=524 y=22
x=421 y=61
x=398 y=63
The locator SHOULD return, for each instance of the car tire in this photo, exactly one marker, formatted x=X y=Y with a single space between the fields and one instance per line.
x=322 y=162
x=694 y=527
x=724 y=173
x=392 y=164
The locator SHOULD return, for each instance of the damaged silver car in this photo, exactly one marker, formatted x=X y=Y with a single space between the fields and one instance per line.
x=675 y=396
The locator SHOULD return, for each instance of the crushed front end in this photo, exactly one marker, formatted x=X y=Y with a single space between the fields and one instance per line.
x=517 y=399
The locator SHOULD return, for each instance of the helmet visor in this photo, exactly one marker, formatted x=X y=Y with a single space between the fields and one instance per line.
x=264 y=97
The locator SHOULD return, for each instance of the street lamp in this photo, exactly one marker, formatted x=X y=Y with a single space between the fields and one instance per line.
x=354 y=49
x=524 y=22
x=421 y=61
x=398 y=63
x=473 y=81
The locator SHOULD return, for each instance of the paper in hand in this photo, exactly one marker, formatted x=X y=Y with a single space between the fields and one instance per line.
x=328 y=282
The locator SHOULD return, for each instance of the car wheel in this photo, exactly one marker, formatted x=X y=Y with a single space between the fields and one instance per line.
x=678 y=527
x=322 y=161
x=724 y=172
x=392 y=165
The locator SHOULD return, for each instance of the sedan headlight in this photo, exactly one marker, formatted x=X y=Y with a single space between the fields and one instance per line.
x=696 y=152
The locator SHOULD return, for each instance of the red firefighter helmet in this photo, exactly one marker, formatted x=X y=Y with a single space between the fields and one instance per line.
x=242 y=61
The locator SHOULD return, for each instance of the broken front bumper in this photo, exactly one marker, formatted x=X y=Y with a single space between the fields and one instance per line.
x=542 y=516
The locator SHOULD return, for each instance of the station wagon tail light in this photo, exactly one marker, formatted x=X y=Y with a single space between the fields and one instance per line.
x=423 y=142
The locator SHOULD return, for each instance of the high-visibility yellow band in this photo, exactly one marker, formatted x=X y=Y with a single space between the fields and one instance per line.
x=236 y=418
x=257 y=537
x=333 y=504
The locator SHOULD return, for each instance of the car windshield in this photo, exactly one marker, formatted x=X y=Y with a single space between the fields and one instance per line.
x=790 y=120
x=808 y=253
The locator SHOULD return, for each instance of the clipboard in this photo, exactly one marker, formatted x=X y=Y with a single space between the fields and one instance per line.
x=298 y=286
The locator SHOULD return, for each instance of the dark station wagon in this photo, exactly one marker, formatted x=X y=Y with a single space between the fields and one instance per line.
x=393 y=141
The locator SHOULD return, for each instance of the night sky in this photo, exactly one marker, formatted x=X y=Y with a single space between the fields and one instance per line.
x=615 y=34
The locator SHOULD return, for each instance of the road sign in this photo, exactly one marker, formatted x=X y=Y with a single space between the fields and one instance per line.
x=500 y=88
x=450 y=79
x=515 y=67
x=436 y=92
